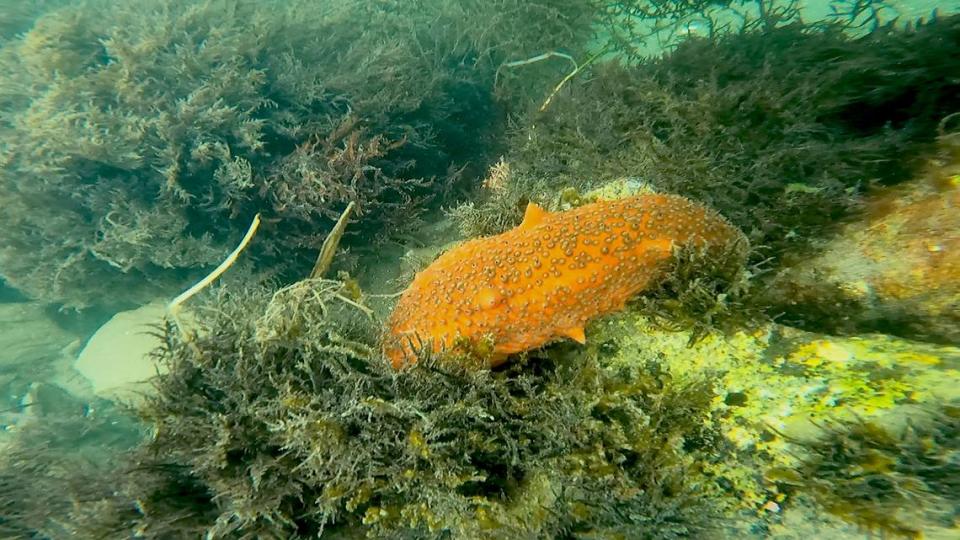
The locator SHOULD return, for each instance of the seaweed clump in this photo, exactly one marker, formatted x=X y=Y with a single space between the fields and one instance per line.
x=704 y=290
x=282 y=414
x=781 y=128
x=892 y=480
x=55 y=463
x=139 y=139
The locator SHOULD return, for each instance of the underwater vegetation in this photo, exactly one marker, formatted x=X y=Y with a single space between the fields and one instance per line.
x=883 y=478
x=278 y=419
x=64 y=448
x=156 y=130
x=780 y=128
x=140 y=139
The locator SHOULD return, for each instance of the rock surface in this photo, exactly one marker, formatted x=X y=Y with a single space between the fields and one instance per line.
x=29 y=340
x=117 y=360
x=776 y=385
x=32 y=349
x=896 y=271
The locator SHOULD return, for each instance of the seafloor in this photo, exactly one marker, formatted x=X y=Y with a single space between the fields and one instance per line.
x=825 y=398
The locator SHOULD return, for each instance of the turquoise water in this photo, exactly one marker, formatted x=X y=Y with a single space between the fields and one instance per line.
x=211 y=208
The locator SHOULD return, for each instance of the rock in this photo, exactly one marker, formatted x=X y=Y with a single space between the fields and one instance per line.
x=775 y=385
x=117 y=360
x=49 y=400
x=620 y=188
x=896 y=271
x=32 y=348
x=29 y=340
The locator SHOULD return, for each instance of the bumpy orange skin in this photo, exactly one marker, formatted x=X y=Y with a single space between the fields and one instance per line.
x=545 y=279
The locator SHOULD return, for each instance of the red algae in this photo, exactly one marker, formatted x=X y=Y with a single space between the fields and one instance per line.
x=547 y=278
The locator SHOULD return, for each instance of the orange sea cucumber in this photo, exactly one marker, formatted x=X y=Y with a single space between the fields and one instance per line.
x=548 y=277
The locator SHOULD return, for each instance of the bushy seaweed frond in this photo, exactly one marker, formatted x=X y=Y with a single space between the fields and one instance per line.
x=781 y=131
x=637 y=28
x=892 y=480
x=52 y=476
x=279 y=419
x=705 y=290
x=138 y=139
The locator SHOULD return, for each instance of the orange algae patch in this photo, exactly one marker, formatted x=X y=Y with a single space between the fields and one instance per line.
x=545 y=279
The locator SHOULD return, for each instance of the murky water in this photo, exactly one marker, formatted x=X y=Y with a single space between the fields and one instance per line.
x=212 y=207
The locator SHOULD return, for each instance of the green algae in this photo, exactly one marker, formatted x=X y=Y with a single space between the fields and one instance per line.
x=139 y=139
x=285 y=421
x=896 y=480
x=740 y=119
x=776 y=386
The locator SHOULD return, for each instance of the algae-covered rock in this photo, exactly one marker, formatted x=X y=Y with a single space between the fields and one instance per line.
x=783 y=378
x=896 y=270
x=778 y=387
x=898 y=478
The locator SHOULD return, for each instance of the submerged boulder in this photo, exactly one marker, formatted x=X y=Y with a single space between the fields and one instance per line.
x=782 y=395
x=30 y=341
x=896 y=270
x=117 y=360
